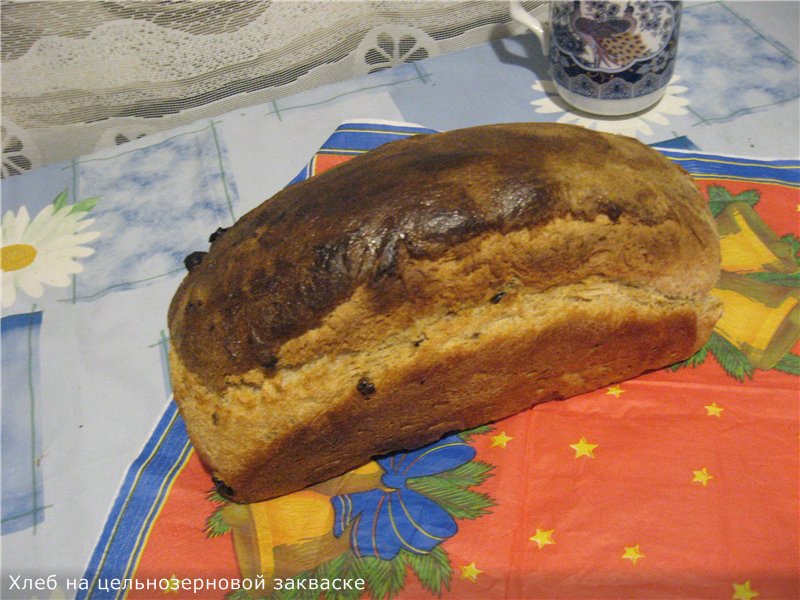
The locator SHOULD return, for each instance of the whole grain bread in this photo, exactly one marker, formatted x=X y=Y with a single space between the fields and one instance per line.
x=432 y=285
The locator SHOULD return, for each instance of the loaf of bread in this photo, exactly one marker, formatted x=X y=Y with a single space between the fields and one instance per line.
x=432 y=285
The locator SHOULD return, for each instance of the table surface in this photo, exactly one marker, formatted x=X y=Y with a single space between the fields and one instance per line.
x=84 y=367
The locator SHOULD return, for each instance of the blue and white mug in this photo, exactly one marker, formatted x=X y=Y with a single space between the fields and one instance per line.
x=608 y=58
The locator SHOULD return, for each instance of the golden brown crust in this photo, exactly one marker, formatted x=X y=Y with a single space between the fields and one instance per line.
x=287 y=264
x=433 y=285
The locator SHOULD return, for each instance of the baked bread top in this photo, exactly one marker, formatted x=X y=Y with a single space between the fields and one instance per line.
x=287 y=264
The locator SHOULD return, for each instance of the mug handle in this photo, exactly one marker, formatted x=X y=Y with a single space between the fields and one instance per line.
x=520 y=15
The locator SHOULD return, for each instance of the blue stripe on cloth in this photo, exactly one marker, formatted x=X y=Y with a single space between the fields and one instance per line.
x=713 y=166
x=138 y=503
x=388 y=128
x=357 y=138
x=367 y=139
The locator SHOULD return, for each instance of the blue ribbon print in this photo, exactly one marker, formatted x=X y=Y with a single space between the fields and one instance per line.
x=384 y=521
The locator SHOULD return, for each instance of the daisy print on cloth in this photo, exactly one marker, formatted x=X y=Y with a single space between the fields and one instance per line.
x=43 y=251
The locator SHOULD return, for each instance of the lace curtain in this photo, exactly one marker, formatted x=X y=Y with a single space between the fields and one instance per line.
x=79 y=75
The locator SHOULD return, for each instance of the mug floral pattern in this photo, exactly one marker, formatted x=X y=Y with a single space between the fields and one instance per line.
x=614 y=50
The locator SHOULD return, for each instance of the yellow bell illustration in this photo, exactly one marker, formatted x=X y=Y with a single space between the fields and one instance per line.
x=761 y=319
x=290 y=534
x=748 y=244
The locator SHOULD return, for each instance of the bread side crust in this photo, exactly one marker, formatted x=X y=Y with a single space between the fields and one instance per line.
x=267 y=437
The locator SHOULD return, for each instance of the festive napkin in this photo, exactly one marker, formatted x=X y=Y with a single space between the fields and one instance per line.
x=680 y=483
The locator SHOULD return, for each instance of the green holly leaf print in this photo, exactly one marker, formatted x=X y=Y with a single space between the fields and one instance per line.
x=696 y=359
x=794 y=243
x=467 y=435
x=730 y=358
x=216 y=525
x=433 y=569
x=384 y=578
x=215 y=497
x=719 y=197
x=750 y=197
x=467 y=475
x=790 y=363
x=449 y=490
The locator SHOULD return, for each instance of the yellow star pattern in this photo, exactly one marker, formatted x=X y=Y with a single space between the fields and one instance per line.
x=583 y=448
x=743 y=591
x=702 y=476
x=615 y=391
x=633 y=553
x=501 y=439
x=714 y=410
x=470 y=572
x=543 y=537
